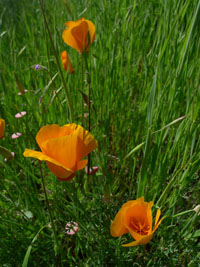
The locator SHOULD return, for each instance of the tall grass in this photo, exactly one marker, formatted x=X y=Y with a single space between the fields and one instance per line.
x=145 y=68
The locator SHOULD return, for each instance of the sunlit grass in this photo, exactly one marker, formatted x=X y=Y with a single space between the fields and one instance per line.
x=144 y=67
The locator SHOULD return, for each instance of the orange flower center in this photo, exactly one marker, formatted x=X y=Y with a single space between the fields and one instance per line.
x=138 y=226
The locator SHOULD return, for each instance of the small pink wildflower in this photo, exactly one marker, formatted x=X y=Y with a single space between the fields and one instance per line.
x=71 y=228
x=16 y=135
x=23 y=92
x=86 y=115
x=92 y=171
x=20 y=114
x=12 y=156
x=107 y=199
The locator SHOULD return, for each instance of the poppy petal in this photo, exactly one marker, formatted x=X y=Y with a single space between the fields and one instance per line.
x=69 y=24
x=131 y=244
x=156 y=225
x=53 y=165
x=69 y=39
x=138 y=213
x=144 y=240
x=76 y=34
x=59 y=171
x=66 y=179
x=91 y=30
x=86 y=143
x=133 y=202
x=50 y=132
x=56 y=149
x=157 y=216
x=80 y=34
x=81 y=164
x=149 y=215
x=72 y=126
x=41 y=156
x=135 y=235
x=66 y=62
x=117 y=228
x=2 y=128
x=73 y=23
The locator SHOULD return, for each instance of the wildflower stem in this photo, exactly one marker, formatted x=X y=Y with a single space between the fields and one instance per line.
x=82 y=81
x=89 y=90
x=49 y=210
x=89 y=96
x=58 y=63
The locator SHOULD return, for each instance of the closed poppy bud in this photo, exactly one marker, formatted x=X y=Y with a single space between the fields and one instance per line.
x=135 y=218
x=63 y=149
x=66 y=62
x=79 y=34
x=2 y=128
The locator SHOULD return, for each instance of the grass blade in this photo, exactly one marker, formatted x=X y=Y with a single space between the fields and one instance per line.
x=28 y=252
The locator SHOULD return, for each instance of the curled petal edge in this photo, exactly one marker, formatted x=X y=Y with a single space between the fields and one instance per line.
x=43 y=157
x=141 y=241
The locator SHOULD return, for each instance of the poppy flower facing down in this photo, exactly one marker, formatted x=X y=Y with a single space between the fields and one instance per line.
x=2 y=128
x=135 y=218
x=66 y=62
x=79 y=34
x=63 y=149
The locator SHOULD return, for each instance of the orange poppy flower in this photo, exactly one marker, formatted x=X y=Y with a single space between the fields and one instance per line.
x=79 y=34
x=2 y=128
x=135 y=217
x=66 y=62
x=63 y=149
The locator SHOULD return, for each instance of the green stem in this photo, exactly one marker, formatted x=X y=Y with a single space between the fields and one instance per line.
x=89 y=96
x=82 y=81
x=58 y=63
x=49 y=210
x=89 y=125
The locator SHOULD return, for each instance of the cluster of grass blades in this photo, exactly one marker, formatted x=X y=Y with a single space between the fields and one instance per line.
x=144 y=68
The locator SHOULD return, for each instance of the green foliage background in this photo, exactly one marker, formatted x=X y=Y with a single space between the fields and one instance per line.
x=145 y=68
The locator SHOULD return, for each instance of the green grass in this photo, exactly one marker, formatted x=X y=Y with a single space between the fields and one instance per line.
x=145 y=68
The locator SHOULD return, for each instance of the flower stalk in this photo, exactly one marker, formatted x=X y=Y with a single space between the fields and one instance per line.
x=49 y=210
x=89 y=102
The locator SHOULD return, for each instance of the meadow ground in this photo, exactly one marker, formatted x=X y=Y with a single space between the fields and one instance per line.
x=144 y=75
